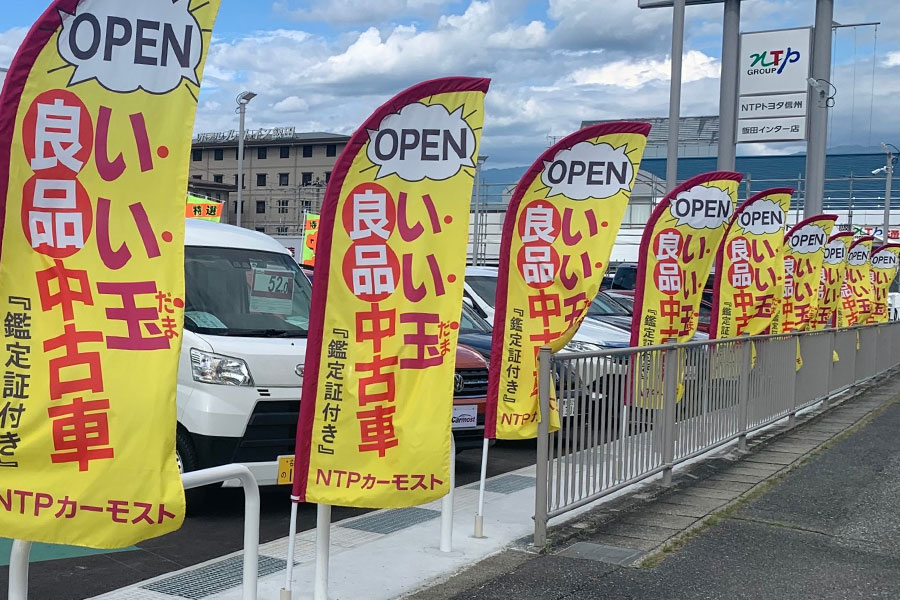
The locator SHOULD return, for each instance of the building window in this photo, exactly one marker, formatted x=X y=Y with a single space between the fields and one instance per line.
x=260 y=180
x=197 y=176
x=282 y=207
x=281 y=229
x=218 y=154
x=243 y=206
x=261 y=229
x=327 y=176
x=262 y=152
x=306 y=179
x=307 y=151
x=283 y=179
x=243 y=181
x=260 y=207
x=196 y=155
x=331 y=150
x=217 y=178
x=284 y=152
x=236 y=154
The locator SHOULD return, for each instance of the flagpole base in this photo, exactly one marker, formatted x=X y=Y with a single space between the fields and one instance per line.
x=479 y=527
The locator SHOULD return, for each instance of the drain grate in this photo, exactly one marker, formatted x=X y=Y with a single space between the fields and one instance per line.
x=389 y=521
x=507 y=484
x=212 y=578
x=613 y=555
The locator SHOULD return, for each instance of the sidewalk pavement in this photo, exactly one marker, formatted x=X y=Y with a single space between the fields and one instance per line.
x=593 y=551
x=810 y=514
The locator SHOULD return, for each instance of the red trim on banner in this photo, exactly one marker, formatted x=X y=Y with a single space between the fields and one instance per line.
x=644 y=248
x=865 y=238
x=882 y=247
x=327 y=217
x=14 y=84
x=839 y=234
x=720 y=253
x=509 y=223
x=822 y=217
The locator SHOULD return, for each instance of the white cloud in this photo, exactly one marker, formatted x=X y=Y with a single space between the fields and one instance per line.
x=291 y=104
x=632 y=74
x=355 y=12
x=892 y=59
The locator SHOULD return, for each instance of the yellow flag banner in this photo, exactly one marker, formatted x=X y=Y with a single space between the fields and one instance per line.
x=94 y=148
x=804 y=254
x=310 y=239
x=834 y=268
x=856 y=291
x=558 y=234
x=749 y=269
x=203 y=209
x=376 y=409
x=883 y=265
x=677 y=252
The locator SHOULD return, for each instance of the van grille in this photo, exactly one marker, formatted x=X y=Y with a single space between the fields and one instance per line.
x=270 y=432
x=474 y=383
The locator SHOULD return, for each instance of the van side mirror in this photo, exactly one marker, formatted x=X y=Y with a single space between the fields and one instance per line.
x=468 y=302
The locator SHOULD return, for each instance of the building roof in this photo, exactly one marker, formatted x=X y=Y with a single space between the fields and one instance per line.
x=266 y=137
x=701 y=130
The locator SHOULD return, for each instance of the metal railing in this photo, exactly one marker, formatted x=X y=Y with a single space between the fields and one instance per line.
x=629 y=414
x=18 y=561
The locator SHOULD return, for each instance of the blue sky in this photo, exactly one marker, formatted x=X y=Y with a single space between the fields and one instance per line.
x=324 y=65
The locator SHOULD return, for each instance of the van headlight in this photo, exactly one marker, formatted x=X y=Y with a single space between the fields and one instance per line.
x=207 y=367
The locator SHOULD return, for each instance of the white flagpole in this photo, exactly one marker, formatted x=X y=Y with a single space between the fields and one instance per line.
x=479 y=517
x=323 y=543
x=447 y=505
x=285 y=593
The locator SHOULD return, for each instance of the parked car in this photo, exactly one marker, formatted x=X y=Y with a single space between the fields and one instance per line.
x=480 y=290
x=626 y=299
x=606 y=309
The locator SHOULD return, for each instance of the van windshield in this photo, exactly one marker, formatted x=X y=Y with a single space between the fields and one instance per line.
x=248 y=293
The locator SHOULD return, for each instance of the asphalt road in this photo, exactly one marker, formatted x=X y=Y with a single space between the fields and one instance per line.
x=830 y=530
x=215 y=529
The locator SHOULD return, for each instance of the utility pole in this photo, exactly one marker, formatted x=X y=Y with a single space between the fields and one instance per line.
x=675 y=93
x=728 y=83
x=818 y=109
x=242 y=100
x=889 y=174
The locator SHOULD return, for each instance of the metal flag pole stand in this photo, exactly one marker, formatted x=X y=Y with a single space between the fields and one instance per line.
x=479 y=516
x=323 y=544
x=285 y=593
x=447 y=505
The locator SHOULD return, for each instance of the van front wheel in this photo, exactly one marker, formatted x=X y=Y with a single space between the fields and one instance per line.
x=185 y=455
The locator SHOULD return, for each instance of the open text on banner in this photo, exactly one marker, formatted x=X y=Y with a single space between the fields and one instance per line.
x=96 y=140
x=749 y=268
x=834 y=269
x=558 y=234
x=856 y=291
x=883 y=271
x=392 y=233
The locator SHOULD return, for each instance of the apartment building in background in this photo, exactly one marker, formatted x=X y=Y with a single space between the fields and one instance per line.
x=284 y=175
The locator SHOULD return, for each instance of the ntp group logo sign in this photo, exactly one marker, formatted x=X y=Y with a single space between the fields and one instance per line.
x=775 y=62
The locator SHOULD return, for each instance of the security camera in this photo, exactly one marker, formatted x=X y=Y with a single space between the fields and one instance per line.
x=816 y=85
x=879 y=170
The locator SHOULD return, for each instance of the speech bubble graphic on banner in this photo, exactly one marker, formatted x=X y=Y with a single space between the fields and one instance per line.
x=835 y=252
x=809 y=239
x=762 y=217
x=858 y=256
x=702 y=207
x=884 y=259
x=128 y=46
x=588 y=170
x=422 y=142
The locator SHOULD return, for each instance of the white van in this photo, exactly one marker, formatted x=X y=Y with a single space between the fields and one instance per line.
x=240 y=371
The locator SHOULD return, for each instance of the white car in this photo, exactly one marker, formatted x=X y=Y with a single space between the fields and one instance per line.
x=239 y=374
x=480 y=289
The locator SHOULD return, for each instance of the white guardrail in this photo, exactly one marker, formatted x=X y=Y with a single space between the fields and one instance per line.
x=18 y=560
x=632 y=413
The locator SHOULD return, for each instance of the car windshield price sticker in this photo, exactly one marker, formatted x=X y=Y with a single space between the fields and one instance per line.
x=273 y=292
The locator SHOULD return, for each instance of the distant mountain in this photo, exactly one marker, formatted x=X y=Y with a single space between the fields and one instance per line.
x=509 y=175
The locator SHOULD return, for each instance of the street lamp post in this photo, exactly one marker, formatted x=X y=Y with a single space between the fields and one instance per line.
x=889 y=174
x=242 y=100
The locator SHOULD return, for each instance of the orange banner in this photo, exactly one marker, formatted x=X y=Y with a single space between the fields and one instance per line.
x=677 y=252
x=883 y=265
x=834 y=269
x=94 y=150
x=375 y=416
x=559 y=231
x=856 y=291
x=804 y=253
x=749 y=268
